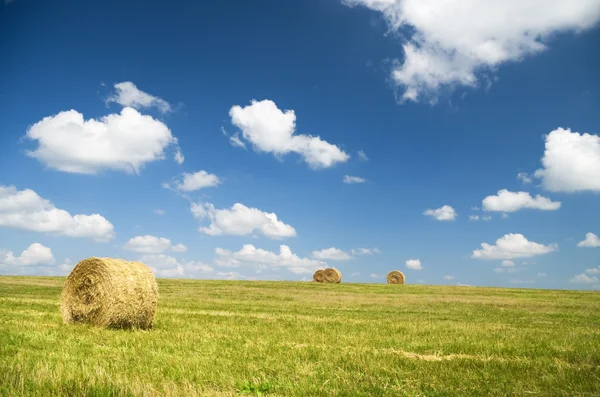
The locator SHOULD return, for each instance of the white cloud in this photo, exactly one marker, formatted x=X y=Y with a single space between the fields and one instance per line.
x=355 y=274
x=190 y=182
x=571 y=162
x=591 y=241
x=507 y=201
x=250 y=256
x=505 y=270
x=445 y=213
x=122 y=142
x=35 y=255
x=179 y=157
x=270 y=130
x=179 y=248
x=230 y=275
x=584 y=279
x=504 y=215
x=456 y=43
x=362 y=155
x=524 y=177
x=353 y=179
x=414 y=264
x=127 y=94
x=26 y=210
x=148 y=244
x=594 y=270
x=159 y=211
x=365 y=251
x=240 y=221
x=541 y=274
x=167 y=266
x=374 y=275
x=448 y=277
x=511 y=246
x=234 y=140
x=482 y=218
x=332 y=254
x=507 y=263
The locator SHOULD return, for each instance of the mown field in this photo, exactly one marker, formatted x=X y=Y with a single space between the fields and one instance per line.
x=221 y=338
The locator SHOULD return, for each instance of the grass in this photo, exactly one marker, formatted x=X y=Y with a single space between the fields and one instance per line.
x=222 y=338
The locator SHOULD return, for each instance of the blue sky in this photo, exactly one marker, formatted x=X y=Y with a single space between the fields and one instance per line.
x=448 y=106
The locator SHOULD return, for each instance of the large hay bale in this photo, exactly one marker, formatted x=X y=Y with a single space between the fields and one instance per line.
x=319 y=276
x=110 y=293
x=332 y=275
x=395 y=277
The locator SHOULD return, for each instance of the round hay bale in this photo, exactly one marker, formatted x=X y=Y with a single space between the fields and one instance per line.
x=332 y=275
x=395 y=277
x=110 y=293
x=319 y=276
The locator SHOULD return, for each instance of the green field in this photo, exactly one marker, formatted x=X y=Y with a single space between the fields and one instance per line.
x=304 y=339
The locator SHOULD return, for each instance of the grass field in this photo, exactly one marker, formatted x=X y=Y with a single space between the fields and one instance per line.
x=304 y=339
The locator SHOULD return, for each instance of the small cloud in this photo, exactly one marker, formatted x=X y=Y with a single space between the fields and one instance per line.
x=594 y=270
x=521 y=281
x=445 y=213
x=524 y=177
x=353 y=179
x=179 y=158
x=541 y=274
x=179 y=248
x=355 y=274
x=331 y=254
x=584 y=279
x=159 y=211
x=362 y=155
x=414 y=264
x=449 y=277
x=591 y=241
x=373 y=275
x=507 y=263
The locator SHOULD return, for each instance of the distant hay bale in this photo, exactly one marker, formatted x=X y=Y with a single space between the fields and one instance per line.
x=395 y=277
x=319 y=276
x=332 y=275
x=110 y=293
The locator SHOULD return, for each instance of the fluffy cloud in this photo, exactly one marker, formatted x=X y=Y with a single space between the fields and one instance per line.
x=584 y=279
x=353 y=179
x=445 y=213
x=35 y=255
x=152 y=245
x=571 y=162
x=507 y=263
x=240 y=220
x=594 y=270
x=189 y=182
x=271 y=130
x=414 y=264
x=448 y=277
x=507 y=201
x=511 y=246
x=591 y=241
x=127 y=94
x=179 y=248
x=454 y=43
x=332 y=254
x=148 y=244
x=24 y=209
x=123 y=142
x=168 y=266
x=259 y=259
